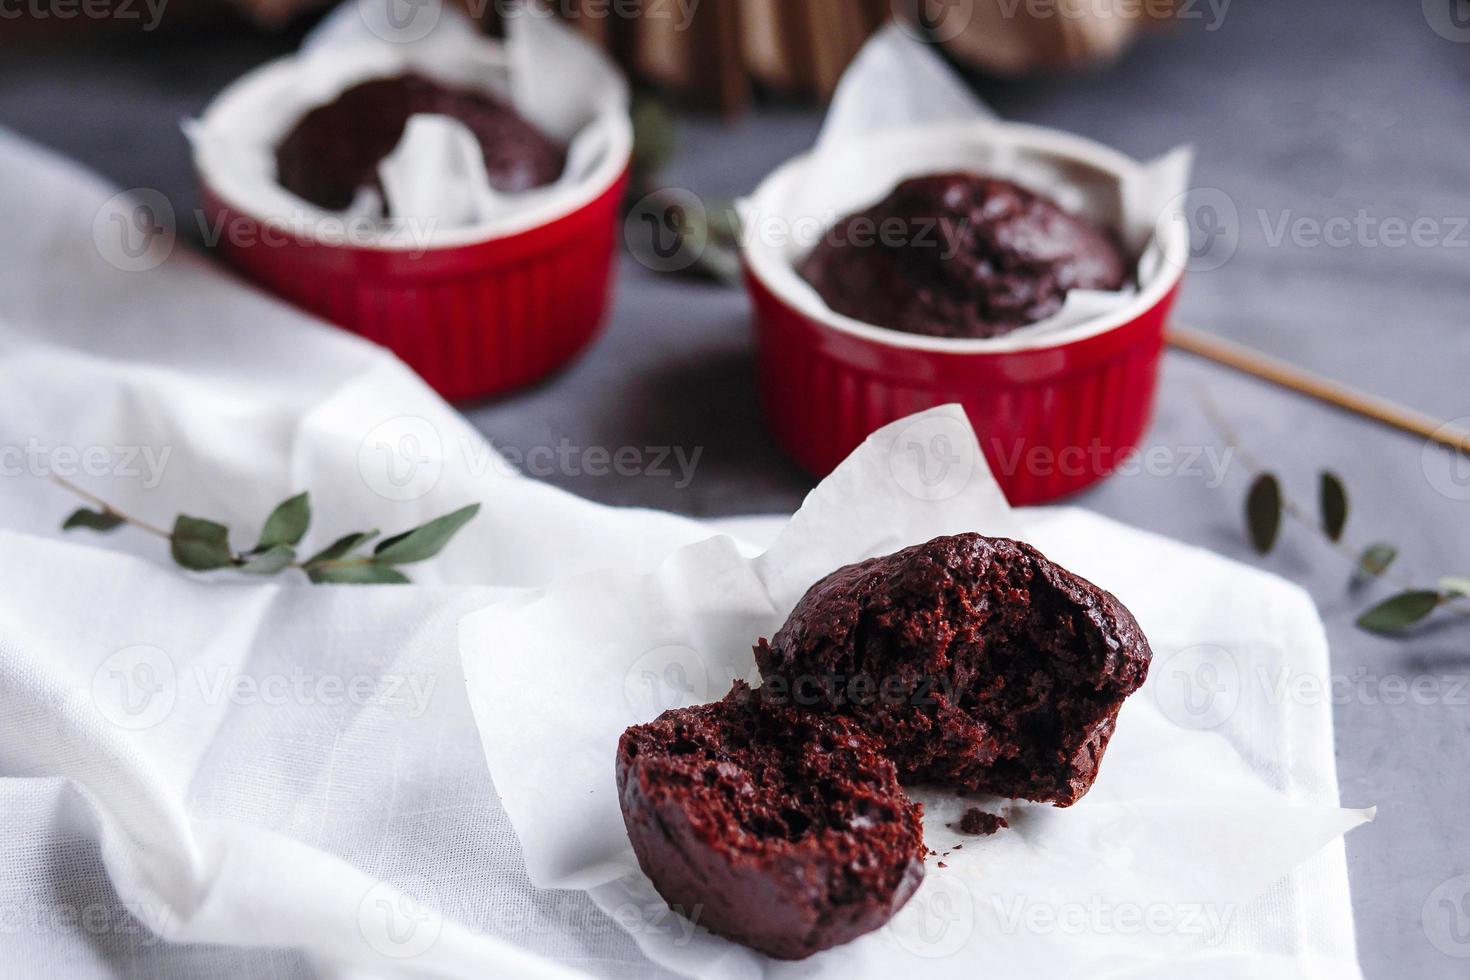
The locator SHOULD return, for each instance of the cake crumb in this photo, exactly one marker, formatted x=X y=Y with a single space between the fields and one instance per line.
x=977 y=823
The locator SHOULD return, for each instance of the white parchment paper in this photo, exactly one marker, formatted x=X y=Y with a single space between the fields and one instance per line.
x=1182 y=830
x=901 y=112
x=435 y=180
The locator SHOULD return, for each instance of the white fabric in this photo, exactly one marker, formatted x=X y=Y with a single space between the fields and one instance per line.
x=231 y=821
x=210 y=777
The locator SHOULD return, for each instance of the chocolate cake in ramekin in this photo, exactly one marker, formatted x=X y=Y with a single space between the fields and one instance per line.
x=985 y=257
x=476 y=310
x=1055 y=412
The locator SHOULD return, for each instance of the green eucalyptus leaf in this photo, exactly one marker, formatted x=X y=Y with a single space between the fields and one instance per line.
x=1400 y=611
x=721 y=262
x=1334 y=503
x=1375 y=560
x=655 y=136
x=1455 y=585
x=287 y=523
x=723 y=220
x=1263 y=512
x=200 y=545
x=274 y=559
x=342 y=547
x=93 y=520
x=713 y=236
x=365 y=573
x=424 y=542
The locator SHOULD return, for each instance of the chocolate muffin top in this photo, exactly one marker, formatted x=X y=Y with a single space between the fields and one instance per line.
x=334 y=150
x=783 y=830
x=960 y=255
x=978 y=663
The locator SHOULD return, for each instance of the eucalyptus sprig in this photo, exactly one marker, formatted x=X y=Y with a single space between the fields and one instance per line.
x=1266 y=504
x=203 y=545
x=692 y=238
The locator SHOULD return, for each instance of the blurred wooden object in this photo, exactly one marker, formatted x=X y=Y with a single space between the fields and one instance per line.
x=702 y=58
x=1334 y=393
x=718 y=54
x=729 y=49
x=1000 y=38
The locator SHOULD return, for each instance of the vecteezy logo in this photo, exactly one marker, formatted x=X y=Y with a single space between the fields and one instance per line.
x=938 y=921
x=401 y=21
x=135 y=231
x=1446 y=469
x=668 y=231
x=402 y=458
x=1450 y=19
x=399 y=918
x=933 y=20
x=665 y=677
x=1198 y=687
x=136 y=687
x=1446 y=917
x=1209 y=221
x=934 y=458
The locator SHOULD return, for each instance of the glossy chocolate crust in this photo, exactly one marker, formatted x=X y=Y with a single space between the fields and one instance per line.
x=966 y=256
x=783 y=830
x=981 y=665
x=334 y=150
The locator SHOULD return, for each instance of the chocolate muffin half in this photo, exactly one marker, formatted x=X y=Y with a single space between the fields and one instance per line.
x=334 y=150
x=961 y=255
x=786 y=831
x=978 y=663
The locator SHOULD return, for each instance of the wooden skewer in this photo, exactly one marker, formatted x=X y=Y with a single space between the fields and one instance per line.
x=1323 y=389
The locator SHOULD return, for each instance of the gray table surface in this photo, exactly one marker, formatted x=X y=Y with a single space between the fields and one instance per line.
x=1302 y=112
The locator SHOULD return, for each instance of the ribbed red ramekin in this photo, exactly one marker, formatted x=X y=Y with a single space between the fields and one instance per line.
x=474 y=320
x=474 y=315
x=1053 y=419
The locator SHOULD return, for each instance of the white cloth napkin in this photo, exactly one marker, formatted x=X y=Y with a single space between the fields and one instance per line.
x=213 y=777
x=267 y=804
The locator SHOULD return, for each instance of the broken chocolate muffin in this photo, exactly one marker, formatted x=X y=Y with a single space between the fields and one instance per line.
x=960 y=255
x=781 y=829
x=334 y=150
x=978 y=663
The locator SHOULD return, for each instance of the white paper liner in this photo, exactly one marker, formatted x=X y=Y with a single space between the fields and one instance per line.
x=900 y=112
x=1187 y=823
x=555 y=78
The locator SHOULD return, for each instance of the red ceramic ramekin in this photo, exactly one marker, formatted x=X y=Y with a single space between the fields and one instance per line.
x=474 y=314
x=1052 y=418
